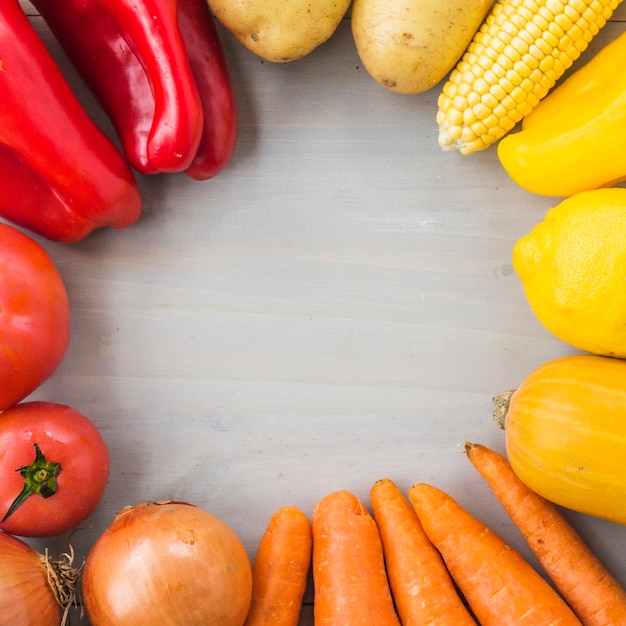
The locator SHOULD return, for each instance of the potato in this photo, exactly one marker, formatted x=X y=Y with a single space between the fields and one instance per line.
x=408 y=46
x=280 y=30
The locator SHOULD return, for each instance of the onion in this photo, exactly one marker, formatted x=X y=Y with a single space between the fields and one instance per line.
x=167 y=563
x=35 y=590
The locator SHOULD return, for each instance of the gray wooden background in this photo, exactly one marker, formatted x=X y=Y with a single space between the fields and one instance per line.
x=335 y=307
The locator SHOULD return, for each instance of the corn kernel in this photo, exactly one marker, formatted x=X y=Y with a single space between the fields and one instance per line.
x=519 y=94
x=498 y=91
x=509 y=103
x=521 y=68
x=581 y=45
x=461 y=91
x=459 y=103
x=520 y=45
x=500 y=111
x=554 y=6
x=551 y=39
x=546 y=64
x=472 y=99
x=555 y=30
x=543 y=46
x=514 y=78
x=481 y=110
x=540 y=22
x=524 y=14
x=468 y=134
x=478 y=129
x=505 y=61
x=481 y=86
x=491 y=122
x=531 y=60
x=563 y=21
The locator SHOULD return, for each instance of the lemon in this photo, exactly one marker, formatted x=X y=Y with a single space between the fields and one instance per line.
x=572 y=266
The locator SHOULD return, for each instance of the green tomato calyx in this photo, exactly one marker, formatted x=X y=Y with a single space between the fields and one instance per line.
x=40 y=477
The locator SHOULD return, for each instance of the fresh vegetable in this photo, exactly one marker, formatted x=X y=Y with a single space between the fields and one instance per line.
x=35 y=589
x=564 y=431
x=54 y=467
x=408 y=46
x=573 y=140
x=219 y=108
x=572 y=266
x=422 y=589
x=499 y=585
x=34 y=315
x=515 y=58
x=157 y=68
x=280 y=570
x=349 y=576
x=61 y=175
x=589 y=589
x=167 y=563
x=280 y=31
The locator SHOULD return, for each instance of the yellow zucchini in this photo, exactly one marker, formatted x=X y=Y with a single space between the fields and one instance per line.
x=565 y=430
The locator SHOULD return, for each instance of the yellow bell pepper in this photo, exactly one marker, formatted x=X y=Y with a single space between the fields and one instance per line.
x=575 y=139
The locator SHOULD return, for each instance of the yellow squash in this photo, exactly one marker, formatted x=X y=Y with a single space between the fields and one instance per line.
x=565 y=429
x=574 y=139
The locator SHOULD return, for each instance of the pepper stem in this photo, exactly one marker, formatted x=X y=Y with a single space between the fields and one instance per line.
x=40 y=477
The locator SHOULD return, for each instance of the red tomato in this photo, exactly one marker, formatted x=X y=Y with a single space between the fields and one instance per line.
x=72 y=475
x=34 y=316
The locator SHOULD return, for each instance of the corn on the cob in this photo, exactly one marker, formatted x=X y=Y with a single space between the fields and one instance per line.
x=515 y=58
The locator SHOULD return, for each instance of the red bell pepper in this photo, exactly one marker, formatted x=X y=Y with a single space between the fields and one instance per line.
x=157 y=68
x=219 y=134
x=61 y=176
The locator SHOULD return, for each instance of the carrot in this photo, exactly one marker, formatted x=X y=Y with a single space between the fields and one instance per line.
x=280 y=569
x=594 y=595
x=499 y=585
x=351 y=586
x=421 y=585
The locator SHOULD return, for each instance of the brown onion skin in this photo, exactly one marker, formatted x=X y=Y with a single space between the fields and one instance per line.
x=167 y=563
x=26 y=598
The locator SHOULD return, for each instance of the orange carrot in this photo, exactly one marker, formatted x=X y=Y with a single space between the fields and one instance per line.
x=421 y=585
x=594 y=595
x=500 y=586
x=280 y=569
x=351 y=586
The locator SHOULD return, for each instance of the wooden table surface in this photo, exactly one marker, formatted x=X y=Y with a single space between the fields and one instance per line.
x=335 y=307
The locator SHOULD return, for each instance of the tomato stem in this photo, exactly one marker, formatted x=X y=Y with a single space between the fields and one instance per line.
x=40 y=477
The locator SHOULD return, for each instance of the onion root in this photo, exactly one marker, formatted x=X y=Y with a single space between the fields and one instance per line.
x=63 y=579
